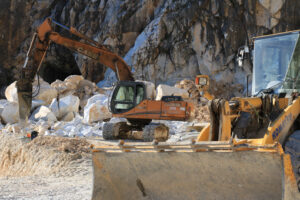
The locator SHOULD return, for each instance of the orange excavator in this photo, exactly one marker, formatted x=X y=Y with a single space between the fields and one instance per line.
x=130 y=99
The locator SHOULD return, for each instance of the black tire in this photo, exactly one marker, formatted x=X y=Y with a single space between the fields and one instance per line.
x=292 y=147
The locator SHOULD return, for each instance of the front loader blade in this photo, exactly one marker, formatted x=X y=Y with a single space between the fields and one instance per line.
x=186 y=174
x=24 y=88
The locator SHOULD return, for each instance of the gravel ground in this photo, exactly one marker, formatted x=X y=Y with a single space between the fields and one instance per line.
x=46 y=187
x=52 y=167
x=45 y=168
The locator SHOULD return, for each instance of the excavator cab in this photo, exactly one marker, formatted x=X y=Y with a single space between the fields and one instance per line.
x=126 y=95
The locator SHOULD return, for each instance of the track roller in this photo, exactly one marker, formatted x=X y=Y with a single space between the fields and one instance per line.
x=113 y=130
x=159 y=132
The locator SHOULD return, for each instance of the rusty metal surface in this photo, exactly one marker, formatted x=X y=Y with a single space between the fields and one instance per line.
x=220 y=174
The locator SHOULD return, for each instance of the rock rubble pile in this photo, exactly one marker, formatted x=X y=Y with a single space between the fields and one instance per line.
x=78 y=107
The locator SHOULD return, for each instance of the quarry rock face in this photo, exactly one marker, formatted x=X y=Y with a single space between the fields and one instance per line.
x=162 y=40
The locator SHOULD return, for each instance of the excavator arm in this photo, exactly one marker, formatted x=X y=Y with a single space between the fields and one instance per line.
x=37 y=52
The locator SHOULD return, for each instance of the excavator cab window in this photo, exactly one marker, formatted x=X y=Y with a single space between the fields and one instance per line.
x=127 y=94
x=125 y=98
x=140 y=94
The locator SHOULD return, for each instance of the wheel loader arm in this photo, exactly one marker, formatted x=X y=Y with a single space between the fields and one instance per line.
x=37 y=52
x=279 y=129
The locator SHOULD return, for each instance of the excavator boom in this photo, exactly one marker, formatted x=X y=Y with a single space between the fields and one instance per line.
x=37 y=52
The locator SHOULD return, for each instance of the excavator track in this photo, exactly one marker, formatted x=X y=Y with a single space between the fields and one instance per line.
x=159 y=132
x=112 y=130
x=122 y=130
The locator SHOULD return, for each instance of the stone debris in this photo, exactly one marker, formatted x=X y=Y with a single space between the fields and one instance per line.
x=78 y=107
x=37 y=103
x=10 y=112
x=61 y=107
x=43 y=113
x=43 y=91
x=68 y=86
x=97 y=109
x=190 y=87
x=11 y=92
x=150 y=89
x=68 y=117
x=166 y=90
x=78 y=86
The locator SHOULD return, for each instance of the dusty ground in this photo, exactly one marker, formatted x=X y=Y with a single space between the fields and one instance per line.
x=78 y=186
x=46 y=168
x=52 y=167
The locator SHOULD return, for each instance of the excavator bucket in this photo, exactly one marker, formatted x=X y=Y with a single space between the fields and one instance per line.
x=199 y=171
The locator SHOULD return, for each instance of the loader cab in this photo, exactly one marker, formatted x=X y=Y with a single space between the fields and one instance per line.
x=277 y=63
x=126 y=95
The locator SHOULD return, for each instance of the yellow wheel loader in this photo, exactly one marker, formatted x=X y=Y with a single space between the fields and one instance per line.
x=250 y=149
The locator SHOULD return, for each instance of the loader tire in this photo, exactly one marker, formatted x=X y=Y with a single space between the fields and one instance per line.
x=158 y=132
x=111 y=130
x=292 y=147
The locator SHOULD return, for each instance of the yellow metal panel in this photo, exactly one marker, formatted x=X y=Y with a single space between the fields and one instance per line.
x=278 y=130
x=204 y=134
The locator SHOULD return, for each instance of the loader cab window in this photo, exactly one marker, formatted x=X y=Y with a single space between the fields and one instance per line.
x=126 y=96
x=292 y=77
x=275 y=58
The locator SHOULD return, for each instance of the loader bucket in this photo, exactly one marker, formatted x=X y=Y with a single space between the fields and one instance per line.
x=187 y=173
